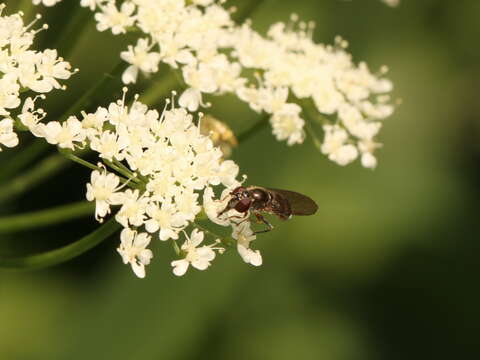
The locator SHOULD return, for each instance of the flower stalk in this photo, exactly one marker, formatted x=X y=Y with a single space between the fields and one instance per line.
x=45 y=169
x=47 y=217
x=65 y=253
x=255 y=128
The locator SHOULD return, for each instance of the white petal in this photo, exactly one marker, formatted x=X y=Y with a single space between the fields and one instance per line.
x=180 y=267
x=126 y=236
x=196 y=237
x=213 y=207
x=129 y=76
x=200 y=264
x=250 y=256
x=138 y=269
x=145 y=256
x=255 y=258
x=206 y=253
x=151 y=226
x=142 y=240
x=369 y=161
x=190 y=99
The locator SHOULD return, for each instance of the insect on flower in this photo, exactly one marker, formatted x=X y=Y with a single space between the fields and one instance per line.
x=256 y=199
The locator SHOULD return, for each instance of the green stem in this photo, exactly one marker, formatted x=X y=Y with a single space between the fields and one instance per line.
x=259 y=125
x=65 y=253
x=312 y=112
x=135 y=177
x=74 y=31
x=313 y=115
x=175 y=247
x=91 y=94
x=23 y=158
x=313 y=135
x=24 y=182
x=161 y=88
x=46 y=217
x=129 y=177
x=124 y=171
x=69 y=155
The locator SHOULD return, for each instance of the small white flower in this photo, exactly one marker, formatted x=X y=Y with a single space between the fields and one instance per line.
x=109 y=145
x=186 y=200
x=117 y=20
x=214 y=207
x=67 y=135
x=367 y=148
x=327 y=99
x=9 y=93
x=31 y=117
x=46 y=2
x=133 y=208
x=141 y=58
x=244 y=235
x=102 y=188
x=93 y=123
x=190 y=99
x=89 y=3
x=50 y=68
x=133 y=250
x=288 y=125
x=335 y=145
x=273 y=99
x=198 y=257
x=369 y=161
x=8 y=137
x=165 y=219
x=228 y=173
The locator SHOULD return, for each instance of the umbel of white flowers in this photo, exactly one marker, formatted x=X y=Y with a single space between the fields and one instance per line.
x=24 y=69
x=176 y=163
x=214 y=55
x=169 y=163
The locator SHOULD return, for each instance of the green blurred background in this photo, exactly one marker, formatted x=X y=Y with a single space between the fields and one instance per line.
x=387 y=269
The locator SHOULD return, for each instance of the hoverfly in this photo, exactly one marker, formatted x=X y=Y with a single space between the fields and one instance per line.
x=257 y=199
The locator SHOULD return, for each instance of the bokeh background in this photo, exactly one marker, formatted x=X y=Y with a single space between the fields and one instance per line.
x=387 y=269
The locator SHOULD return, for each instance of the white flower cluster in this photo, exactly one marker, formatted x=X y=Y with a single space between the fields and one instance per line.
x=164 y=163
x=215 y=56
x=22 y=69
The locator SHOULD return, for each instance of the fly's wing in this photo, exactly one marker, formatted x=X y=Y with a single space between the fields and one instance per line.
x=299 y=204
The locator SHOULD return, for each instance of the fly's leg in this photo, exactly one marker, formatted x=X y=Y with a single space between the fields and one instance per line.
x=243 y=217
x=224 y=198
x=261 y=219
